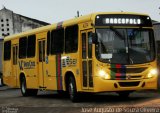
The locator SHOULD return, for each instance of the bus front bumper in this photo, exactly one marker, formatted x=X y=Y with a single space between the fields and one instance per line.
x=101 y=85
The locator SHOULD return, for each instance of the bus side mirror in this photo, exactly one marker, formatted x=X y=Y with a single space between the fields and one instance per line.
x=94 y=38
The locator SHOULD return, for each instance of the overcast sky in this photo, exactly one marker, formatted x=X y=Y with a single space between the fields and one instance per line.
x=58 y=10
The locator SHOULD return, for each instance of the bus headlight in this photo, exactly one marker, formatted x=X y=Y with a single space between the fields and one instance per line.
x=104 y=75
x=152 y=73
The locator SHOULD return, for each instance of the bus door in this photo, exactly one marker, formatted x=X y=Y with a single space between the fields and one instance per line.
x=42 y=63
x=87 y=79
x=15 y=65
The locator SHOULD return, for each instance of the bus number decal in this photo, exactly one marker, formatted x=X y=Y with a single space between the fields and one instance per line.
x=85 y=25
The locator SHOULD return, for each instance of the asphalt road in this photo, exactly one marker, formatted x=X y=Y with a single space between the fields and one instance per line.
x=11 y=101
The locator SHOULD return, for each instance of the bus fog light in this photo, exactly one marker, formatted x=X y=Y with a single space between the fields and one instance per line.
x=103 y=74
x=152 y=73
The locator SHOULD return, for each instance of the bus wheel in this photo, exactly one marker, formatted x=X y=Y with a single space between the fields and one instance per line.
x=72 y=90
x=25 y=91
x=124 y=94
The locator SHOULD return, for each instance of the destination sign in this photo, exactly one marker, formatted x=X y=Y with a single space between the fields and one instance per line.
x=123 y=20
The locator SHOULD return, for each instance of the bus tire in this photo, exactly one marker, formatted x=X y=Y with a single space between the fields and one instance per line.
x=27 y=92
x=124 y=94
x=72 y=90
x=1 y=82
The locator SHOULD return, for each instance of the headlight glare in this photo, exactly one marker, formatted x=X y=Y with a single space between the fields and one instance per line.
x=152 y=73
x=103 y=74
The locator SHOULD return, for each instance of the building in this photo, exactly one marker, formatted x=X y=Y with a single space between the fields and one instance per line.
x=156 y=26
x=1 y=46
x=12 y=23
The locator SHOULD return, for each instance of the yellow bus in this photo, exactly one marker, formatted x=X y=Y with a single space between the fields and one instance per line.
x=100 y=52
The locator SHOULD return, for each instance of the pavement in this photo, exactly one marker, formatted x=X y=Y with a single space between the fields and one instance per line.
x=11 y=101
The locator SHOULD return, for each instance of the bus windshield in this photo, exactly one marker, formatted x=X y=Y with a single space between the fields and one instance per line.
x=125 y=46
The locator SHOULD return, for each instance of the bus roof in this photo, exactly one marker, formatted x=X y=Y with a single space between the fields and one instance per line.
x=69 y=22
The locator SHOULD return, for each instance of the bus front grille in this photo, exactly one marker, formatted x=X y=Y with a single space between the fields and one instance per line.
x=129 y=84
x=129 y=77
x=127 y=70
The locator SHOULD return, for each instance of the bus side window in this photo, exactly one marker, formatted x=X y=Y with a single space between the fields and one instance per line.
x=22 y=47
x=57 y=41
x=7 y=50
x=48 y=43
x=31 y=46
x=89 y=45
x=71 y=39
x=84 y=55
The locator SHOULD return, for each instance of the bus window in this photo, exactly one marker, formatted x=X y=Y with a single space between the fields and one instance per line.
x=23 y=47
x=7 y=50
x=31 y=46
x=89 y=45
x=57 y=41
x=42 y=51
x=84 y=46
x=48 y=43
x=71 y=39
x=15 y=53
x=14 y=56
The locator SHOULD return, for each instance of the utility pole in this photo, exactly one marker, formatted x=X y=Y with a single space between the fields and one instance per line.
x=77 y=13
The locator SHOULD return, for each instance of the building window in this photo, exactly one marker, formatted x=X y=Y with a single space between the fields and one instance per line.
x=2 y=25
x=31 y=46
x=1 y=20
x=2 y=29
x=7 y=50
x=57 y=41
x=7 y=20
x=23 y=47
x=8 y=34
x=71 y=39
x=7 y=29
x=7 y=24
